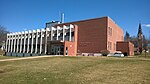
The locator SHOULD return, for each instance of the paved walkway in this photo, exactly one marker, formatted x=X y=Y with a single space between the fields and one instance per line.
x=33 y=57
x=22 y=58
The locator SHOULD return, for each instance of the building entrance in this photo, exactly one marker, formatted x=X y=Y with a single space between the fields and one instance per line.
x=57 y=50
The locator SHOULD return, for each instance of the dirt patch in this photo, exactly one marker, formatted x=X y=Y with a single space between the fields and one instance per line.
x=1 y=71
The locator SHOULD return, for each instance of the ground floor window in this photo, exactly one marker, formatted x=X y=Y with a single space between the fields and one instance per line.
x=66 y=50
x=57 y=50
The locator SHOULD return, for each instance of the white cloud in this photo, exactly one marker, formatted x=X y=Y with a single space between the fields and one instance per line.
x=24 y=29
x=146 y=25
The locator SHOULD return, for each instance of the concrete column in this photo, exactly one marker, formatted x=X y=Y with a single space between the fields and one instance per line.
x=46 y=35
x=36 y=44
x=57 y=32
x=41 y=39
x=64 y=27
x=45 y=48
x=14 y=42
x=33 y=36
x=9 y=42
x=24 y=48
x=36 y=41
x=52 y=28
x=18 y=36
x=58 y=29
x=28 y=45
x=28 y=39
x=24 y=42
x=70 y=32
x=6 y=45
x=22 y=33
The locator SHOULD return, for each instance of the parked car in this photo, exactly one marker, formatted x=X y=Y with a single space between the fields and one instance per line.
x=110 y=54
x=118 y=54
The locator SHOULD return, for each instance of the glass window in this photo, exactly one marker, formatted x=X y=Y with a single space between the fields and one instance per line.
x=109 y=45
x=66 y=50
x=110 y=31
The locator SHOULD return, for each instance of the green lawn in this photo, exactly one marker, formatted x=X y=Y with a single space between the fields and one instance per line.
x=76 y=70
x=6 y=57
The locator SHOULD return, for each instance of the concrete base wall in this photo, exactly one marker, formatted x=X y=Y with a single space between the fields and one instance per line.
x=42 y=54
x=8 y=54
x=22 y=54
x=27 y=54
x=19 y=55
x=34 y=54
x=14 y=54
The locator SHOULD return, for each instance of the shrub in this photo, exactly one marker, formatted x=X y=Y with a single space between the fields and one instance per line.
x=2 y=52
x=105 y=52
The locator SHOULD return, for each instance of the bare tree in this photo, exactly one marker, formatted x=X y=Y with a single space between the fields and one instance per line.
x=134 y=41
x=145 y=43
x=3 y=34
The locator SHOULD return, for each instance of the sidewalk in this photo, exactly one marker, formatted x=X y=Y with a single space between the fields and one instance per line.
x=22 y=58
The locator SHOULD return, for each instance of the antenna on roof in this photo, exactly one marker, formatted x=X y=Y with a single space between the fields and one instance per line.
x=62 y=17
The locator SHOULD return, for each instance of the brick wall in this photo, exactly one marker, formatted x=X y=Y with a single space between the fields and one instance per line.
x=93 y=35
x=70 y=48
x=126 y=48
x=114 y=34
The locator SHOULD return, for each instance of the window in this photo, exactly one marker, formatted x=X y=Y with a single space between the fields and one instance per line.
x=114 y=46
x=66 y=50
x=110 y=31
x=109 y=45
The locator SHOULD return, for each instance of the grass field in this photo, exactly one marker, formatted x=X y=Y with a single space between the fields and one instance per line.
x=6 y=57
x=76 y=70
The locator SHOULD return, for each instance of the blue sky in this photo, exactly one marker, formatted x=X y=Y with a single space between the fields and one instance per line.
x=19 y=15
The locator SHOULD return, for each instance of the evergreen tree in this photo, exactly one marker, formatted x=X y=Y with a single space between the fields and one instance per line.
x=127 y=36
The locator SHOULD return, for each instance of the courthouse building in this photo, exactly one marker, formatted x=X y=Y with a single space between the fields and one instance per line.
x=72 y=39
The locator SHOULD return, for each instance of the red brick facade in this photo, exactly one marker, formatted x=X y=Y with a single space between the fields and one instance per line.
x=114 y=34
x=74 y=38
x=70 y=48
x=94 y=35
x=125 y=47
